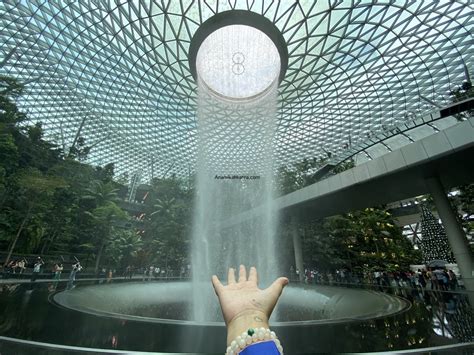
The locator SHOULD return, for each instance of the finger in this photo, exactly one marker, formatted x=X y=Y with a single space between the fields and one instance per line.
x=218 y=286
x=253 y=276
x=277 y=286
x=242 y=274
x=231 y=276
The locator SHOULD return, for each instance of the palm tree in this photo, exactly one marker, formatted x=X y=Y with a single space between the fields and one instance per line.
x=102 y=193
x=35 y=190
x=104 y=196
x=124 y=247
x=166 y=208
x=167 y=227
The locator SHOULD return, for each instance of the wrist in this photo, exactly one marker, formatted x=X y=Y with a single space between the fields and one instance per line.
x=245 y=320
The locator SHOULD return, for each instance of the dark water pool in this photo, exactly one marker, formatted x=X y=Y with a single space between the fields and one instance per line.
x=434 y=319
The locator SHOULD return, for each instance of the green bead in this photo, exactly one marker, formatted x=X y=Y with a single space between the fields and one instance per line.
x=251 y=331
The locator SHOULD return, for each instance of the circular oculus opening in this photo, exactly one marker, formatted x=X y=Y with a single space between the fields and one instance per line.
x=238 y=55
x=238 y=62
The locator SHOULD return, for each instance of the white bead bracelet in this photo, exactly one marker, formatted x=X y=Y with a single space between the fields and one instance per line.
x=252 y=336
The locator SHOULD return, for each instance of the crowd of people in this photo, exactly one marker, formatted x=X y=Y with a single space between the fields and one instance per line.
x=17 y=268
x=34 y=269
x=432 y=278
x=151 y=272
x=429 y=278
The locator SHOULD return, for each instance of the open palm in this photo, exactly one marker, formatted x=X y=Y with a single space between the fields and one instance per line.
x=244 y=296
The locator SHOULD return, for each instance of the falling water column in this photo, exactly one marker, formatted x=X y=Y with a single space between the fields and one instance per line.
x=234 y=174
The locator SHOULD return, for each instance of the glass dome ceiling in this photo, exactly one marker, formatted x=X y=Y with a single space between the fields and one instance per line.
x=117 y=72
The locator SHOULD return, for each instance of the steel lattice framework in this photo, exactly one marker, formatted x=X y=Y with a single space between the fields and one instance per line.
x=116 y=72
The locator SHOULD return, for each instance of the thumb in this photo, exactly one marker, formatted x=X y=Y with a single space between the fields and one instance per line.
x=217 y=285
x=277 y=286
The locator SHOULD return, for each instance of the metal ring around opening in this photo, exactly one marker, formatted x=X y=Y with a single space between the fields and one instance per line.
x=238 y=17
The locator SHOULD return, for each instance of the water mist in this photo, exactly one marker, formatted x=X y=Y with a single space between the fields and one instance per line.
x=234 y=174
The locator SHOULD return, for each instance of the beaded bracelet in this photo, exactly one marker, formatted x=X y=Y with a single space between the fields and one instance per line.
x=252 y=336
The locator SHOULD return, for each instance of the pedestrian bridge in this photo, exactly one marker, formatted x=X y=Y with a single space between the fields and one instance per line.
x=400 y=174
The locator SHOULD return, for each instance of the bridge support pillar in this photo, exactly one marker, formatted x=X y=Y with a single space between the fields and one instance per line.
x=456 y=236
x=297 y=248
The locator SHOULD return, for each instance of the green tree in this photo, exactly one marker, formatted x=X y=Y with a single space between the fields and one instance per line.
x=167 y=226
x=60 y=217
x=79 y=150
x=168 y=223
x=295 y=176
x=324 y=243
x=377 y=242
x=463 y=201
x=104 y=198
x=49 y=200
x=124 y=248
x=34 y=191
x=364 y=240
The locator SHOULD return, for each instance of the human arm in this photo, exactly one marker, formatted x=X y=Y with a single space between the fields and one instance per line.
x=243 y=304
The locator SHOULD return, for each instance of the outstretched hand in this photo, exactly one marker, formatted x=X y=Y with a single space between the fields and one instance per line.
x=243 y=304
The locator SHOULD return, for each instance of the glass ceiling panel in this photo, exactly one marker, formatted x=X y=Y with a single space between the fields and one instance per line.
x=117 y=73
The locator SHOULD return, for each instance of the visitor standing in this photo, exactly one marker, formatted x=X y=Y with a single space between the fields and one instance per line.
x=439 y=279
x=452 y=280
x=14 y=266
x=444 y=280
x=58 y=271
x=109 y=276
x=72 y=276
x=378 y=278
x=102 y=275
x=37 y=268
x=150 y=272
x=9 y=268
x=127 y=271
x=433 y=280
x=58 y=268
x=22 y=266
x=421 y=279
x=53 y=270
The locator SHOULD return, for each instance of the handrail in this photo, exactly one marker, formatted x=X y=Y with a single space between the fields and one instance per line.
x=77 y=349
x=415 y=121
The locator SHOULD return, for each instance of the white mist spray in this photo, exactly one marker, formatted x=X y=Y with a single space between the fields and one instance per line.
x=234 y=174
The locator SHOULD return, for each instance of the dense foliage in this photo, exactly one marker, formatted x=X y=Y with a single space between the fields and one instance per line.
x=50 y=202
x=168 y=223
x=295 y=176
x=463 y=202
x=365 y=240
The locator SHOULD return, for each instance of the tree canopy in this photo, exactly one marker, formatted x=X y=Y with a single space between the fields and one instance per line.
x=50 y=201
